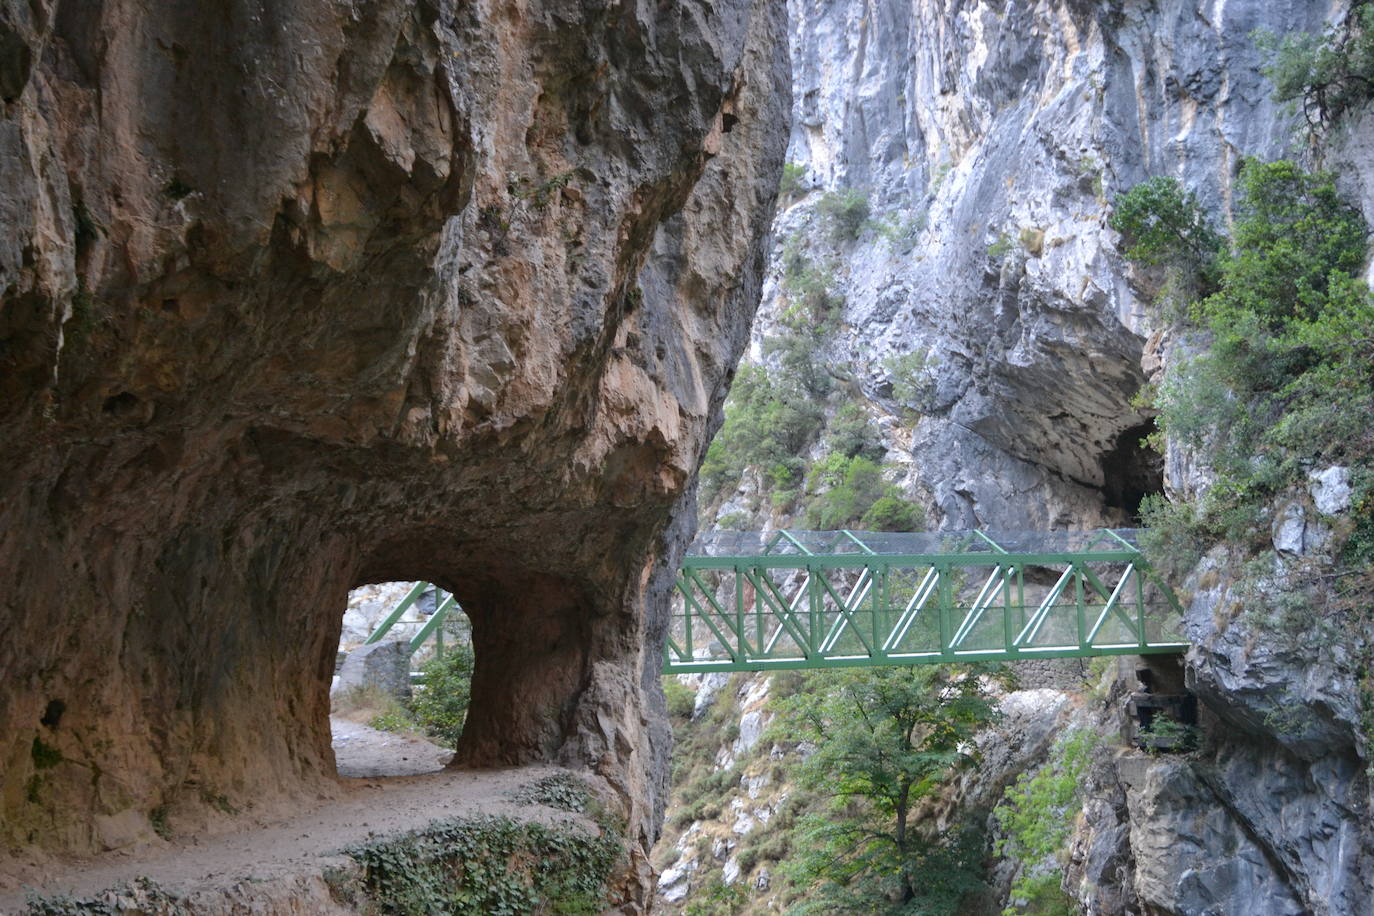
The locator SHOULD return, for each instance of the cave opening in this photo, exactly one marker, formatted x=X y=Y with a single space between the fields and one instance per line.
x=402 y=680
x=1131 y=470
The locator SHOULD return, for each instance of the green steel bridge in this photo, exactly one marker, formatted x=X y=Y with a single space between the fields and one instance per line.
x=754 y=601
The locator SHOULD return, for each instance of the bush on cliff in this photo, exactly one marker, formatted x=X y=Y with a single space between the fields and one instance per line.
x=1283 y=378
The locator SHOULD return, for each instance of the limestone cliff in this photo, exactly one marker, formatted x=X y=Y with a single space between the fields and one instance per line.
x=297 y=297
x=988 y=141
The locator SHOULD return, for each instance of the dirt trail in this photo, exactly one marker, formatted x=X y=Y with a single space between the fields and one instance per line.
x=416 y=791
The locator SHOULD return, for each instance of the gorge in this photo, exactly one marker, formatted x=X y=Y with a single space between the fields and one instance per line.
x=296 y=298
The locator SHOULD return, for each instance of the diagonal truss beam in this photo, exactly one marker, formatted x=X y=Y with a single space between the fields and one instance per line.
x=838 y=610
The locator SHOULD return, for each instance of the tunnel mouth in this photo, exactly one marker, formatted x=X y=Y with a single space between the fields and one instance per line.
x=1132 y=470
x=402 y=680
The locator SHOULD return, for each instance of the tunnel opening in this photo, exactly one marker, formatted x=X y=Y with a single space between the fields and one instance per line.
x=402 y=680
x=1131 y=470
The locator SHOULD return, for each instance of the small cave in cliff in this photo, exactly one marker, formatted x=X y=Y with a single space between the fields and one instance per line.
x=402 y=680
x=1132 y=470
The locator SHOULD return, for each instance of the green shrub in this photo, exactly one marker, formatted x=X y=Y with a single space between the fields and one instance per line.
x=1000 y=247
x=893 y=513
x=913 y=380
x=397 y=720
x=716 y=898
x=845 y=212
x=850 y=433
x=852 y=493
x=681 y=698
x=793 y=174
x=1325 y=75
x=1163 y=225
x=1036 y=815
x=767 y=423
x=441 y=706
x=1285 y=380
x=486 y=865
x=563 y=791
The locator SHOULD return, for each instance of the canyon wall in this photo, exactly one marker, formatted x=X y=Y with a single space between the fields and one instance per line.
x=988 y=141
x=299 y=297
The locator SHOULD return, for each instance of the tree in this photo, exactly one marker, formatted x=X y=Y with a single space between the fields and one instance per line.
x=886 y=739
x=1163 y=225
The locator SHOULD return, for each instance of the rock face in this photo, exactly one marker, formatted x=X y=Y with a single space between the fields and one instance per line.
x=989 y=140
x=384 y=665
x=298 y=298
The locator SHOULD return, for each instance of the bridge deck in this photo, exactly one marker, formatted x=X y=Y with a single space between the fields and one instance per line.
x=815 y=599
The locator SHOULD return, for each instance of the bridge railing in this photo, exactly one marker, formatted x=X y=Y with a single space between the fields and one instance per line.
x=747 y=601
x=433 y=628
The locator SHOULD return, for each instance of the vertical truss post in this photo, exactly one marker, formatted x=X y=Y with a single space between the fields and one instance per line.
x=760 y=640
x=739 y=610
x=1140 y=637
x=682 y=586
x=813 y=597
x=877 y=585
x=1020 y=598
x=439 y=633
x=1008 y=631
x=945 y=597
x=1082 y=611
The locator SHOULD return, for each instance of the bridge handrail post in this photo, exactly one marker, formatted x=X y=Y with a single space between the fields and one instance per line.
x=434 y=623
x=944 y=597
x=1008 y=633
x=1081 y=609
x=1141 y=637
x=739 y=610
x=879 y=587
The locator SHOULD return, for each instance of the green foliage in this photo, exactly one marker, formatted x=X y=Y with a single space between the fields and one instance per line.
x=1286 y=382
x=913 y=379
x=1163 y=225
x=563 y=791
x=1037 y=815
x=158 y=819
x=885 y=739
x=850 y=434
x=441 y=706
x=681 y=698
x=893 y=513
x=394 y=720
x=767 y=423
x=43 y=755
x=1000 y=247
x=716 y=898
x=793 y=174
x=1324 y=75
x=539 y=194
x=1166 y=735
x=1296 y=247
x=854 y=493
x=487 y=867
x=845 y=212
x=812 y=306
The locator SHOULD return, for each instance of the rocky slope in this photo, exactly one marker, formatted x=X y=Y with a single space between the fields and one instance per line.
x=298 y=298
x=988 y=141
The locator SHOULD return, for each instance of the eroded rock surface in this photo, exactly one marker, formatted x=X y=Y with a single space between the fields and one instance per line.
x=302 y=297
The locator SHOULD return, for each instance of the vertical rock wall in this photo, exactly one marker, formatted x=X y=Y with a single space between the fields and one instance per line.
x=990 y=139
x=299 y=296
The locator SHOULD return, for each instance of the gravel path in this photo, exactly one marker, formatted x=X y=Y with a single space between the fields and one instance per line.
x=417 y=790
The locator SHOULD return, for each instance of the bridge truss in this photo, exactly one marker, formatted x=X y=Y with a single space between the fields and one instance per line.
x=750 y=601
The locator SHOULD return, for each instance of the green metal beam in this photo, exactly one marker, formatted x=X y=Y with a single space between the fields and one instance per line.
x=385 y=626
x=844 y=611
